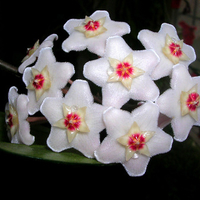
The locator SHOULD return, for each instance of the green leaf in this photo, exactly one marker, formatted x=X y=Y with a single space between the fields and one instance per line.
x=39 y=149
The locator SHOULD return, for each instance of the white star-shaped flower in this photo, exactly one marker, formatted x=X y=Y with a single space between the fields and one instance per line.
x=169 y=48
x=33 y=53
x=46 y=78
x=123 y=73
x=133 y=138
x=181 y=102
x=92 y=32
x=16 y=111
x=75 y=119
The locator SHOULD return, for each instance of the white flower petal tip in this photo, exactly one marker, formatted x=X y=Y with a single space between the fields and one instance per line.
x=92 y=32
x=123 y=73
x=46 y=78
x=169 y=48
x=181 y=102
x=76 y=120
x=16 y=112
x=133 y=138
x=33 y=53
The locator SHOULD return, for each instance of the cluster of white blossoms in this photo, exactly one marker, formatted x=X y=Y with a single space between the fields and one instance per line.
x=124 y=74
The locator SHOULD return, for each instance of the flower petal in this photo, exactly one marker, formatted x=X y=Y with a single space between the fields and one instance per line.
x=52 y=105
x=57 y=140
x=46 y=58
x=22 y=106
x=87 y=143
x=146 y=116
x=96 y=71
x=62 y=72
x=71 y=24
x=113 y=115
x=110 y=151
x=24 y=133
x=117 y=48
x=76 y=41
x=12 y=95
x=137 y=167
x=98 y=14
x=79 y=94
x=181 y=127
x=167 y=103
x=148 y=92
x=160 y=143
x=181 y=79
x=115 y=94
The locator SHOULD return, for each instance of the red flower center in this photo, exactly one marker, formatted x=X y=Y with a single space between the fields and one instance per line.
x=72 y=121
x=193 y=101
x=175 y=49
x=38 y=81
x=9 y=120
x=136 y=141
x=124 y=70
x=92 y=26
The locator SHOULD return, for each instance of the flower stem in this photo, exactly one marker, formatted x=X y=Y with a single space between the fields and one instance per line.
x=8 y=66
x=37 y=120
x=70 y=81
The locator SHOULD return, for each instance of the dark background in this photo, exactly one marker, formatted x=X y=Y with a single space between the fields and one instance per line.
x=175 y=175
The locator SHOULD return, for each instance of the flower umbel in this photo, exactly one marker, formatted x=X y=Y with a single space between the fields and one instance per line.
x=92 y=28
x=73 y=121
x=123 y=73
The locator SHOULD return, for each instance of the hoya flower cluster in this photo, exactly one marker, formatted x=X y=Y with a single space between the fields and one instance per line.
x=123 y=74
